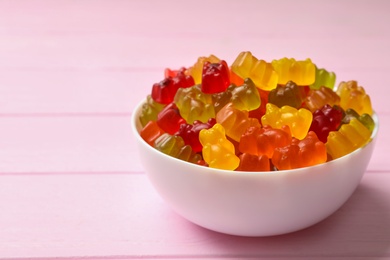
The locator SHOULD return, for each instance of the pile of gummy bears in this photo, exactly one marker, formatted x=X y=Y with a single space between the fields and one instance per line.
x=255 y=115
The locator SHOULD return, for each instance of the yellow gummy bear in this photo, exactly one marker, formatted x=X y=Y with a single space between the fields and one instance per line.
x=355 y=97
x=196 y=70
x=259 y=71
x=348 y=138
x=217 y=151
x=302 y=73
x=299 y=121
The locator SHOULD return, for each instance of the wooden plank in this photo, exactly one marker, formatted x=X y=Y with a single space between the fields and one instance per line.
x=39 y=93
x=74 y=144
x=110 y=216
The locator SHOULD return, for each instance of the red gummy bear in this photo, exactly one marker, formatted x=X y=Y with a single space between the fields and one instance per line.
x=215 y=77
x=164 y=91
x=325 y=120
x=169 y=119
x=190 y=133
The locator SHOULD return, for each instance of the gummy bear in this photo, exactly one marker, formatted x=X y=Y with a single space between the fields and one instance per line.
x=301 y=72
x=151 y=132
x=287 y=95
x=325 y=120
x=215 y=77
x=355 y=97
x=173 y=73
x=347 y=139
x=169 y=119
x=217 y=151
x=150 y=110
x=222 y=98
x=246 y=96
x=190 y=133
x=299 y=121
x=164 y=91
x=235 y=121
x=174 y=146
x=260 y=111
x=318 y=98
x=194 y=105
x=253 y=163
x=300 y=153
x=365 y=119
x=264 y=140
x=259 y=71
x=324 y=78
x=196 y=70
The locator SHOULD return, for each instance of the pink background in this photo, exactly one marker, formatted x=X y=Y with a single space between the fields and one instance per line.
x=71 y=72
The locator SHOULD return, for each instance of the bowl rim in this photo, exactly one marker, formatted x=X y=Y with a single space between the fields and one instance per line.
x=136 y=124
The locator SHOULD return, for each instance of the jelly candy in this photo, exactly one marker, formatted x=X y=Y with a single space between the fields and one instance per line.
x=151 y=132
x=174 y=146
x=355 y=97
x=218 y=152
x=215 y=77
x=301 y=72
x=235 y=121
x=347 y=139
x=365 y=119
x=259 y=71
x=246 y=96
x=221 y=99
x=299 y=121
x=324 y=78
x=325 y=120
x=287 y=95
x=150 y=110
x=196 y=70
x=253 y=163
x=300 y=153
x=317 y=98
x=264 y=140
x=164 y=91
x=169 y=119
x=194 y=105
x=190 y=133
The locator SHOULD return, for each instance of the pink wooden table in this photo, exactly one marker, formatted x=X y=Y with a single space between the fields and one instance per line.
x=71 y=73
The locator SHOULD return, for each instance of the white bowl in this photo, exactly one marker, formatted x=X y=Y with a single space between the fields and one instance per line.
x=253 y=203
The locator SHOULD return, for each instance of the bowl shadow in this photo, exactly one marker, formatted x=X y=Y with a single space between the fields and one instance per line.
x=359 y=228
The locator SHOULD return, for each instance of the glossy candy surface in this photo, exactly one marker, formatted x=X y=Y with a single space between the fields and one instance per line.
x=190 y=133
x=301 y=72
x=215 y=77
x=324 y=78
x=217 y=151
x=299 y=120
x=287 y=95
x=164 y=91
x=317 y=98
x=193 y=104
x=256 y=115
x=300 y=153
x=347 y=139
x=355 y=97
x=235 y=121
x=261 y=72
x=325 y=120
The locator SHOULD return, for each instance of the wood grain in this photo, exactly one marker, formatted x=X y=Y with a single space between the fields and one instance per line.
x=71 y=73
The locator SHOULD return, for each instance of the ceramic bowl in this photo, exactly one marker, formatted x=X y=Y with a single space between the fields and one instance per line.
x=253 y=203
